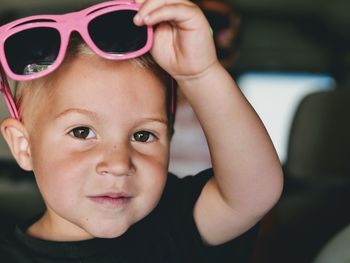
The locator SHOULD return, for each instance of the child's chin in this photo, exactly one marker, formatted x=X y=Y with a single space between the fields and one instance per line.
x=109 y=232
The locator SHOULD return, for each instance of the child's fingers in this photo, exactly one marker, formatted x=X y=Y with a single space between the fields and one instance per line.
x=176 y=13
x=150 y=6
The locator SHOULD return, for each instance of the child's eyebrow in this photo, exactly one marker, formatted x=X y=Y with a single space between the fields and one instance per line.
x=90 y=114
x=160 y=120
x=93 y=115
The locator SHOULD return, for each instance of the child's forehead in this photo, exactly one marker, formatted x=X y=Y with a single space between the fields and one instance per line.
x=93 y=66
x=97 y=84
x=87 y=72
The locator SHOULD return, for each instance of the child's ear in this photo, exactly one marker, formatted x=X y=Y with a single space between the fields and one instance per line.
x=16 y=137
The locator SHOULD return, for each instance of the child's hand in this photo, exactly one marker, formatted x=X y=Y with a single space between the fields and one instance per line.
x=183 y=43
x=247 y=178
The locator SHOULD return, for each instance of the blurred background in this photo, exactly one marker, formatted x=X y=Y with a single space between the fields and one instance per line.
x=291 y=59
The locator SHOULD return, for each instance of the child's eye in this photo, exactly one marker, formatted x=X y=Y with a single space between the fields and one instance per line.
x=143 y=136
x=82 y=133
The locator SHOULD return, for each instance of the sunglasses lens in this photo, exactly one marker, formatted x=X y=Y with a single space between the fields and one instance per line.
x=32 y=50
x=116 y=33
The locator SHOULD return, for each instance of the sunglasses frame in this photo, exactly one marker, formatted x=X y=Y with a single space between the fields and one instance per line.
x=66 y=24
x=7 y=94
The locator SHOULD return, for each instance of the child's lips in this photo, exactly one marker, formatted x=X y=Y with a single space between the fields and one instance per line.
x=111 y=199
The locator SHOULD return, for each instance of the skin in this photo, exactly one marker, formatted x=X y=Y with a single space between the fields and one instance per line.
x=247 y=178
x=70 y=170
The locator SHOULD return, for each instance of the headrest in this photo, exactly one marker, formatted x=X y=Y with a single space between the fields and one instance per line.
x=319 y=141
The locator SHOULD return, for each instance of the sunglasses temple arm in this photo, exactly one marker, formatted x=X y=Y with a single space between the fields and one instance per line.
x=7 y=94
x=172 y=96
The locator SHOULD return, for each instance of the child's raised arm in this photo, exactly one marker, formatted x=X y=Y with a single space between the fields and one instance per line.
x=248 y=176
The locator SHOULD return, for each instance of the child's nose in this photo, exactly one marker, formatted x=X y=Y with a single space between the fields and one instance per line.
x=116 y=161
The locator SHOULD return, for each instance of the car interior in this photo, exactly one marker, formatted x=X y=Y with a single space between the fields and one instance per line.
x=291 y=59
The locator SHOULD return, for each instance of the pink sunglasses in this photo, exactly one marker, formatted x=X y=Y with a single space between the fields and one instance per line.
x=35 y=46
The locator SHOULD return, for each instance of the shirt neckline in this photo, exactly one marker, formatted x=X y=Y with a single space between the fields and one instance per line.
x=68 y=249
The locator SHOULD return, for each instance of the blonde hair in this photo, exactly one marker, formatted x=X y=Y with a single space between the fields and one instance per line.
x=28 y=94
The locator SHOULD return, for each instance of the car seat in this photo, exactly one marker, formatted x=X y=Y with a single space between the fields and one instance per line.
x=317 y=182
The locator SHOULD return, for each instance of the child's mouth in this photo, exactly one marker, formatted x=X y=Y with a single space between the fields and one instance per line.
x=111 y=200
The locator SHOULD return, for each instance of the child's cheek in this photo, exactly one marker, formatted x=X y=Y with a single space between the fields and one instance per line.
x=57 y=164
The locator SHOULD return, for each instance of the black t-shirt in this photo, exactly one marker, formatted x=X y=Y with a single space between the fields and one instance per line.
x=167 y=235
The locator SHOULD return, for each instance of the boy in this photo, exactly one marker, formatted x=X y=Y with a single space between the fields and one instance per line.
x=96 y=134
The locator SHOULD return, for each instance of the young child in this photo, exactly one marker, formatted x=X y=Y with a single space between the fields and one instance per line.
x=96 y=134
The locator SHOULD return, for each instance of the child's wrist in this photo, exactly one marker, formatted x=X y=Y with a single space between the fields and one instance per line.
x=200 y=79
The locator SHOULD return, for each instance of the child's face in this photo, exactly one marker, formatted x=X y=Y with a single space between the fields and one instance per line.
x=100 y=148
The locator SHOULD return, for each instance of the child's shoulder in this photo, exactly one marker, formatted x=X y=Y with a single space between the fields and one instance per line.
x=187 y=186
x=180 y=196
x=10 y=250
